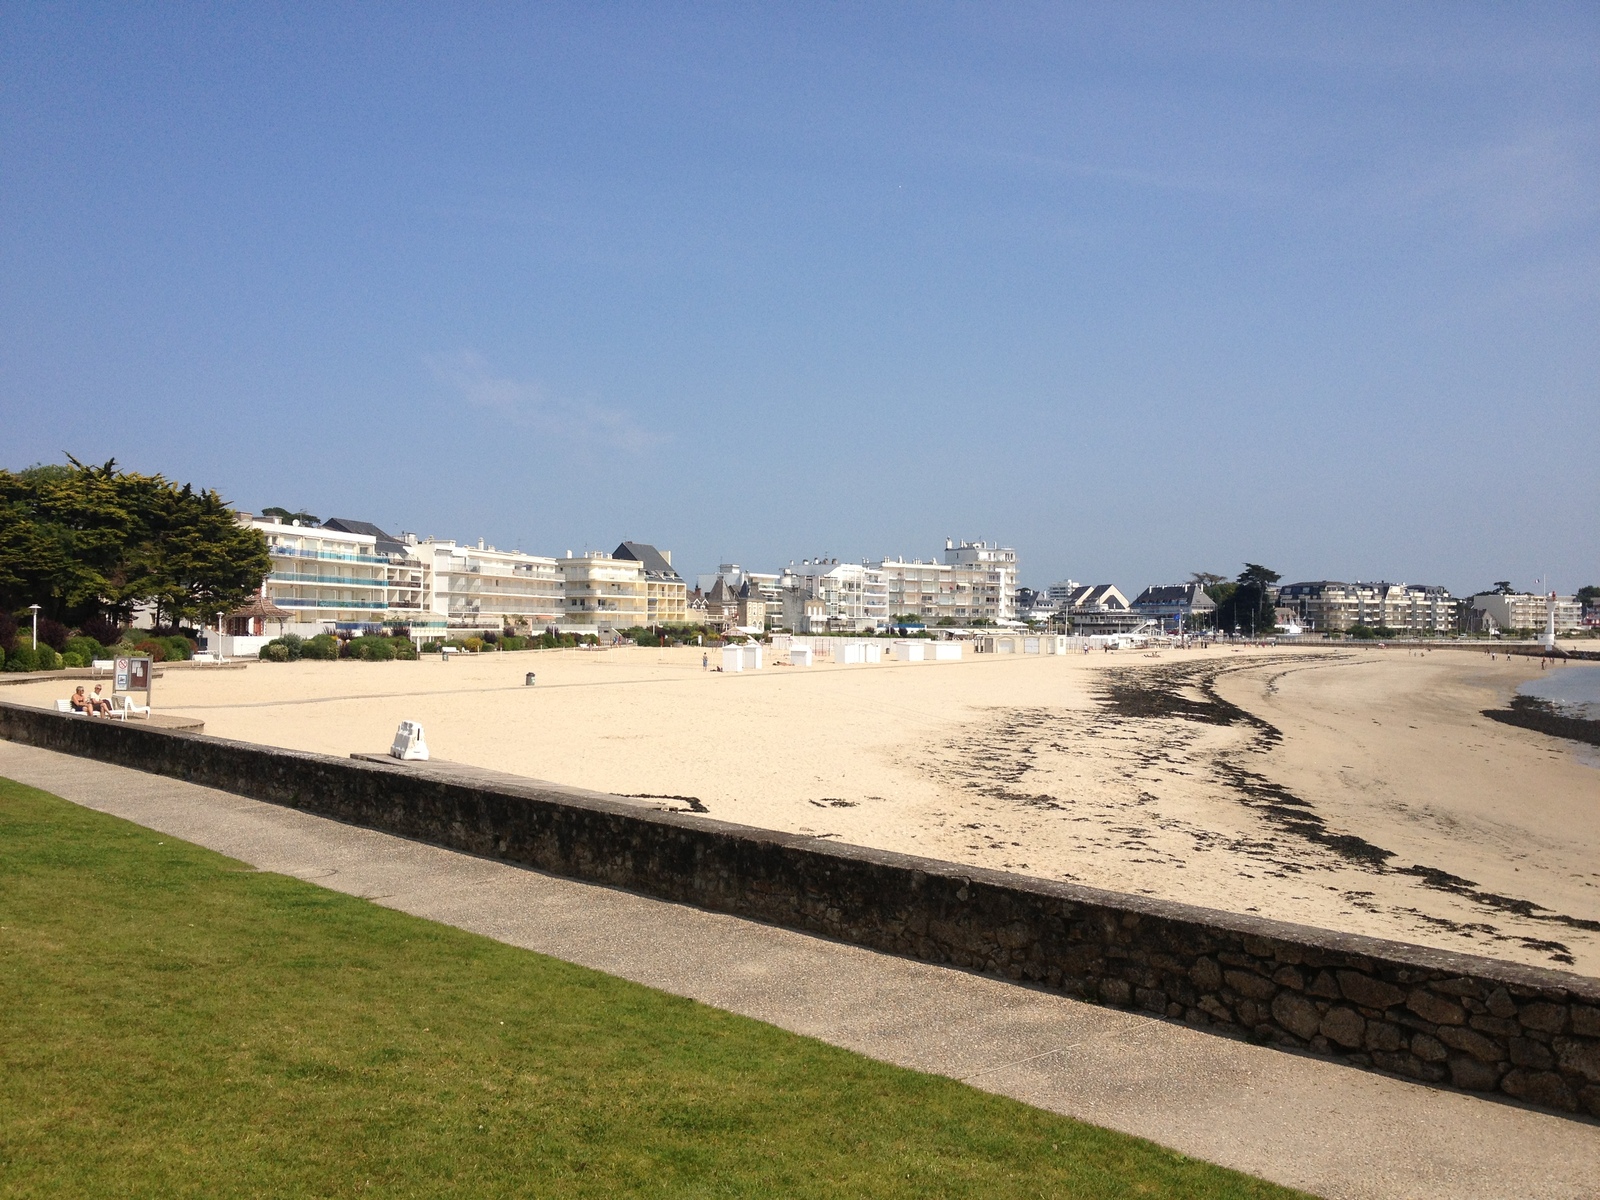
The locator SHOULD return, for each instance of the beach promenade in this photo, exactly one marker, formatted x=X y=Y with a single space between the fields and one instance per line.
x=1333 y=1131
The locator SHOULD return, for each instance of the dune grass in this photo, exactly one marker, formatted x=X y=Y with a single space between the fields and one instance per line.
x=173 y=1023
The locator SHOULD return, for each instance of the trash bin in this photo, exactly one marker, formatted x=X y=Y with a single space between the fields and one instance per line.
x=528 y=681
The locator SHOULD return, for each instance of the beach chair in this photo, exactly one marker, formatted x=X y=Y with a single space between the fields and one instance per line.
x=124 y=707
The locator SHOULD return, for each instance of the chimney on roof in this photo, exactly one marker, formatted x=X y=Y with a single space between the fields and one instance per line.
x=480 y=543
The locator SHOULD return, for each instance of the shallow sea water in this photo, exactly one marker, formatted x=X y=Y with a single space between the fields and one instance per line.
x=1573 y=691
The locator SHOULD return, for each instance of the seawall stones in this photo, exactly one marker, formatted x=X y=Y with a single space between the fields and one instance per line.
x=1462 y=1020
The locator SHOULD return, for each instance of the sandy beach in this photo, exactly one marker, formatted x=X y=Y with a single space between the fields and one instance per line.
x=1353 y=789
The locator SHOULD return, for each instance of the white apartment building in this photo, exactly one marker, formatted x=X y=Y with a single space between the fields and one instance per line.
x=922 y=589
x=479 y=588
x=666 y=595
x=328 y=577
x=1523 y=610
x=853 y=595
x=603 y=593
x=1329 y=606
x=976 y=581
x=985 y=576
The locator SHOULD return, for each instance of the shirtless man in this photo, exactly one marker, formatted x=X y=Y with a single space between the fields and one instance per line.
x=81 y=704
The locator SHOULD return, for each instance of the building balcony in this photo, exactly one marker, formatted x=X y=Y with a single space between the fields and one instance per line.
x=325 y=580
x=305 y=602
x=326 y=556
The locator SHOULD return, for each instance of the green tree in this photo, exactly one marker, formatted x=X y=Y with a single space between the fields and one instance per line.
x=1216 y=587
x=1589 y=596
x=201 y=559
x=82 y=541
x=1247 y=605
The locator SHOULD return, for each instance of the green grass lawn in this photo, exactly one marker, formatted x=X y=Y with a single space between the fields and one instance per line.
x=174 y=1023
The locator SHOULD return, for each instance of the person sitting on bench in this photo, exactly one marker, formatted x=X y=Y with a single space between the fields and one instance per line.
x=101 y=703
x=82 y=704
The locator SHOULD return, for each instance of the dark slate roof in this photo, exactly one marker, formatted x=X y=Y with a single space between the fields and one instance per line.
x=1311 y=587
x=387 y=544
x=1191 y=594
x=718 y=593
x=646 y=555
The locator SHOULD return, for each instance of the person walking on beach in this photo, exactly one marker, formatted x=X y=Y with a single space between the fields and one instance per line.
x=705 y=661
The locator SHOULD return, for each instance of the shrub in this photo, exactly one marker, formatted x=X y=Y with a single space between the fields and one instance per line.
x=86 y=648
x=473 y=645
x=53 y=634
x=371 y=649
x=283 y=649
x=433 y=647
x=512 y=642
x=102 y=629
x=21 y=658
x=177 y=647
x=8 y=632
x=46 y=658
x=73 y=659
x=404 y=649
x=491 y=638
x=324 y=647
x=151 y=649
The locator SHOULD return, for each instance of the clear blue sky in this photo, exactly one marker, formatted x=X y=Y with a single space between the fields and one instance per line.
x=1140 y=290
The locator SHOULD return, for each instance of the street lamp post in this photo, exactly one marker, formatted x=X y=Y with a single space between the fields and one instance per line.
x=35 y=609
x=219 y=636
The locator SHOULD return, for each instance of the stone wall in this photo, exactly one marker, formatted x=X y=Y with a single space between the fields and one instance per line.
x=1451 y=1019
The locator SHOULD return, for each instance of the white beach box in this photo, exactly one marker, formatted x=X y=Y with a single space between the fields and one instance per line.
x=947 y=652
x=872 y=652
x=799 y=656
x=908 y=651
x=408 y=743
x=752 y=656
x=852 y=651
x=733 y=658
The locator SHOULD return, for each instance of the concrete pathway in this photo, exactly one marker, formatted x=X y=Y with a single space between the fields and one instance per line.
x=1331 y=1130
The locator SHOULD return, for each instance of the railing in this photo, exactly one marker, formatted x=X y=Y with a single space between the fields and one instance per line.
x=301 y=602
x=326 y=555
x=334 y=580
